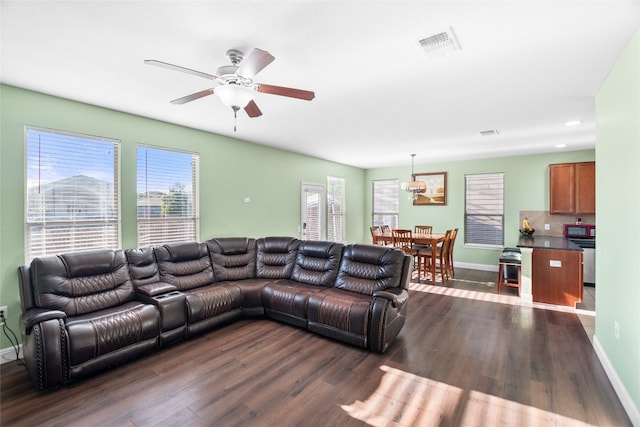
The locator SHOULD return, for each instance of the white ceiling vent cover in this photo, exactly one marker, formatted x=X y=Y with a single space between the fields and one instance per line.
x=491 y=132
x=441 y=43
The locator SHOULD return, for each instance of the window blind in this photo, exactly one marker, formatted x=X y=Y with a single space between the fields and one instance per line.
x=335 y=208
x=385 y=202
x=484 y=209
x=72 y=192
x=167 y=202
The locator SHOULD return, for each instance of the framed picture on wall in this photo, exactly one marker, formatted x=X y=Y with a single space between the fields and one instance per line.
x=436 y=193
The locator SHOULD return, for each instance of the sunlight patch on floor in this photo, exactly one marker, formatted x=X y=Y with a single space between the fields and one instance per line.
x=492 y=297
x=406 y=399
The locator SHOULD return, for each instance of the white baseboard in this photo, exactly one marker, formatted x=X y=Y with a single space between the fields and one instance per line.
x=469 y=265
x=526 y=298
x=9 y=354
x=618 y=385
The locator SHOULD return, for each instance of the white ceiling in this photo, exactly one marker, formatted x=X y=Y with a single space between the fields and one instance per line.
x=525 y=68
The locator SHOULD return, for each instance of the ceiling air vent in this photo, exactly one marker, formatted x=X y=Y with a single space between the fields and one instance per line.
x=441 y=43
x=491 y=132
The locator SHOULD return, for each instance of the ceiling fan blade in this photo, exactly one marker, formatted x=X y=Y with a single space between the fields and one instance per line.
x=254 y=63
x=192 y=97
x=252 y=109
x=307 y=95
x=179 y=68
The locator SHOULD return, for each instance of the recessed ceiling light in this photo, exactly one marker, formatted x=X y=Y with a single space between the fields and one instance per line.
x=560 y=145
x=573 y=123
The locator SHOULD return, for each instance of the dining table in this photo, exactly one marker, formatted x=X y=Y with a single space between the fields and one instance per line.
x=422 y=239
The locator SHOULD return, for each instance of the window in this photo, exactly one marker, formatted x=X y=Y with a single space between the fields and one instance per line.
x=72 y=192
x=335 y=209
x=386 y=202
x=167 y=202
x=484 y=209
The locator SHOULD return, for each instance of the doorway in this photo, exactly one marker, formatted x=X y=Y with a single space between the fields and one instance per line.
x=313 y=211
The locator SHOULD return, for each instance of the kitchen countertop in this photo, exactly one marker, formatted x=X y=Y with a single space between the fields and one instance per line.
x=547 y=242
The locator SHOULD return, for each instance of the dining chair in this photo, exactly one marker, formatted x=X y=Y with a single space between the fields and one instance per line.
x=442 y=259
x=403 y=239
x=376 y=231
x=454 y=234
x=423 y=229
x=385 y=228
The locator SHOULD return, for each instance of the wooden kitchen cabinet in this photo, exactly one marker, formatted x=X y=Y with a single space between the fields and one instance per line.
x=556 y=276
x=585 y=188
x=572 y=188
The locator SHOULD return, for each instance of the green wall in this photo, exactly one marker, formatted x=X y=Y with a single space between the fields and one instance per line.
x=230 y=169
x=618 y=204
x=526 y=188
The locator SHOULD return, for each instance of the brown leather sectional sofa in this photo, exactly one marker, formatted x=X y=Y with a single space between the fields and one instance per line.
x=86 y=311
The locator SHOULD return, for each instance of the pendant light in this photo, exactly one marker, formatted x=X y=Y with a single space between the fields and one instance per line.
x=414 y=187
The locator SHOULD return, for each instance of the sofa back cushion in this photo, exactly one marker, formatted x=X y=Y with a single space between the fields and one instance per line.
x=185 y=265
x=143 y=267
x=369 y=268
x=233 y=258
x=81 y=282
x=276 y=257
x=317 y=263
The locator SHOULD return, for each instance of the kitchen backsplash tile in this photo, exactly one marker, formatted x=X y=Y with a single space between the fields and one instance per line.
x=556 y=222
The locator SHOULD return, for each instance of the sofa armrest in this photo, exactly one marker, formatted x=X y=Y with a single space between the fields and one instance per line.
x=155 y=289
x=34 y=316
x=397 y=296
x=388 y=314
x=45 y=346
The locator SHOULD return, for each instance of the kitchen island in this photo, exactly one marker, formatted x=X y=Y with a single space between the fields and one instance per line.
x=554 y=269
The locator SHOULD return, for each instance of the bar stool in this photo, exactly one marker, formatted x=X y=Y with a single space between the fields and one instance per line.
x=510 y=269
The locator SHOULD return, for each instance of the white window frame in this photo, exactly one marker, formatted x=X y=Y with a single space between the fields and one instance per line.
x=165 y=228
x=336 y=188
x=484 y=200
x=79 y=231
x=390 y=189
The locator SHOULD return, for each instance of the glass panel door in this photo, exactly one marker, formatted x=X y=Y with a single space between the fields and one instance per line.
x=313 y=211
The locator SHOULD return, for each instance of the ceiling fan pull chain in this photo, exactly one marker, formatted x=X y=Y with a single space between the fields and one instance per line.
x=235 y=117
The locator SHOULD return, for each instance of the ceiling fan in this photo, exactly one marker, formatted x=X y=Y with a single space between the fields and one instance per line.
x=235 y=82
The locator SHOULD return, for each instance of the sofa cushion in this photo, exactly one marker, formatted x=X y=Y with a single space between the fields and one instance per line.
x=276 y=257
x=233 y=258
x=101 y=332
x=317 y=263
x=185 y=265
x=81 y=282
x=212 y=300
x=288 y=297
x=366 y=269
x=340 y=314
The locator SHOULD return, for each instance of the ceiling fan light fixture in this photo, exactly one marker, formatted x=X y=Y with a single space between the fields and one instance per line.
x=234 y=96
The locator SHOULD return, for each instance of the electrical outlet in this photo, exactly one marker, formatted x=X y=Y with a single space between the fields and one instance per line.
x=4 y=311
x=547 y=227
x=616 y=330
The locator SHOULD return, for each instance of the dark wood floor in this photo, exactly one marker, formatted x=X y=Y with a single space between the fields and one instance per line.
x=464 y=357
